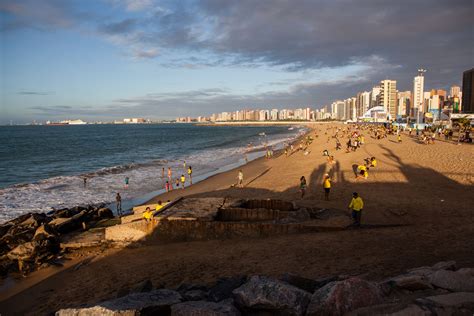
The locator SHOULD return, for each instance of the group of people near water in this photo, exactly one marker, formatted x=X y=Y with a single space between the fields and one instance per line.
x=180 y=181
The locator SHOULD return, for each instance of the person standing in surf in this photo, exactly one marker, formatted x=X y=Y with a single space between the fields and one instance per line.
x=170 y=174
x=183 y=180
x=190 y=174
x=118 y=204
x=127 y=181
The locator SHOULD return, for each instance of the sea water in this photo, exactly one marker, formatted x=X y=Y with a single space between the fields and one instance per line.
x=42 y=167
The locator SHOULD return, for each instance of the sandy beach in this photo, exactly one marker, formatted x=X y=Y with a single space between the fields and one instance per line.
x=427 y=189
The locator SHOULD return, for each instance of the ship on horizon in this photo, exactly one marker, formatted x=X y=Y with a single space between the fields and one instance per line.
x=66 y=122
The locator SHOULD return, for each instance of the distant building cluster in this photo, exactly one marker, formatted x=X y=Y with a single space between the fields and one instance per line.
x=301 y=114
x=134 y=120
x=381 y=103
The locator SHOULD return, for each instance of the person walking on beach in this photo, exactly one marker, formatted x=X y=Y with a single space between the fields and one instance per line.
x=399 y=138
x=240 y=178
x=356 y=205
x=168 y=187
x=302 y=186
x=118 y=203
x=127 y=181
x=190 y=174
x=327 y=186
x=163 y=173
x=183 y=180
x=85 y=182
x=184 y=164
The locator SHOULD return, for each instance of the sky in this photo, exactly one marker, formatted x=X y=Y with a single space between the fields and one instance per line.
x=110 y=59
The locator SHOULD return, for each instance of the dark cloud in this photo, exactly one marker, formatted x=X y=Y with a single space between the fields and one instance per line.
x=34 y=93
x=39 y=14
x=300 y=35
x=388 y=39
x=124 y=26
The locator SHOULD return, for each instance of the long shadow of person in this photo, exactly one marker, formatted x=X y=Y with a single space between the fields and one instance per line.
x=354 y=169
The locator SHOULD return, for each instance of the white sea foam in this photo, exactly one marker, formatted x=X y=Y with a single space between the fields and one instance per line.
x=102 y=185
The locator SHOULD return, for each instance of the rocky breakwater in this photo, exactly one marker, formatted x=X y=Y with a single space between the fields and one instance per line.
x=441 y=289
x=33 y=240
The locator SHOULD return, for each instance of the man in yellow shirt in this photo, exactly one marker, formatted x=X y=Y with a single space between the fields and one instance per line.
x=327 y=186
x=356 y=206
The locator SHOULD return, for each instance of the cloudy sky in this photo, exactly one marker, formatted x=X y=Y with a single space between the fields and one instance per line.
x=107 y=59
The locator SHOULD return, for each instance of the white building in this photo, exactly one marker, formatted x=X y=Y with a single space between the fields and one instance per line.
x=388 y=97
x=404 y=103
x=455 y=91
x=374 y=96
x=418 y=95
x=274 y=115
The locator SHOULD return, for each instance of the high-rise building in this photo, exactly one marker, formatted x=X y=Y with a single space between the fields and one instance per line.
x=468 y=91
x=388 y=97
x=404 y=103
x=274 y=114
x=374 y=96
x=418 y=91
x=455 y=91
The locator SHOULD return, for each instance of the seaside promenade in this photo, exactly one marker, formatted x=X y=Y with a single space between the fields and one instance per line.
x=427 y=188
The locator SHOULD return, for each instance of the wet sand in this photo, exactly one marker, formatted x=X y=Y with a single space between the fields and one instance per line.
x=429 y=188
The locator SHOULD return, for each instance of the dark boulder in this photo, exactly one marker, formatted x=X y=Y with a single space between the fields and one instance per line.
x=410 y=282
x=68 y=212
x=67 y=225
x=223 y=287
x=142 y=287
x=262 y=294
x=34 y=220
x=452 y=281
x=44 y=232
x=203 y=308
x=104 y=213
x=309 y=285
x=341 y=297
x=157 y=302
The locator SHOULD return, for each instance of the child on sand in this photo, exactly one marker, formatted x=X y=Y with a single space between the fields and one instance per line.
x=373 y=162
x=302 y=186
x=168 y=187
x=363 y=173
x=177 y=183
x=399 y=138
x=147 y=215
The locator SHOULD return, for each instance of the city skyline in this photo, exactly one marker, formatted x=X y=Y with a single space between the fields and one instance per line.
x=105 y=60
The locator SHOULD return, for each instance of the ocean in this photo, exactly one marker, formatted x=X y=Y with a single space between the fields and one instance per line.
x=42 y=167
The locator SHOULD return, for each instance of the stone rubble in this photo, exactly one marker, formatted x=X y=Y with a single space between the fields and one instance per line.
x=32 y=240
x=438 y=290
